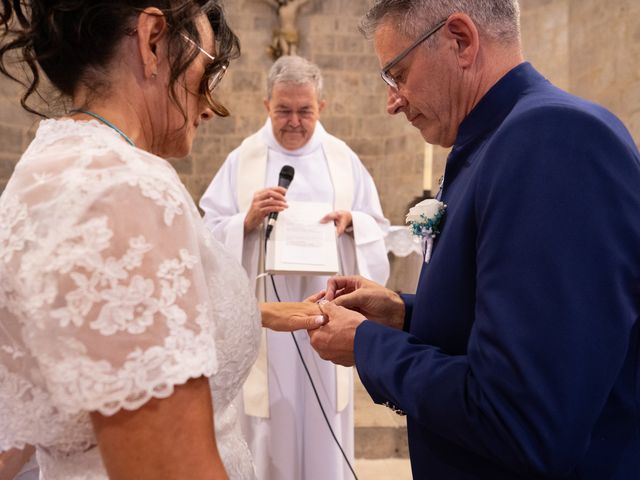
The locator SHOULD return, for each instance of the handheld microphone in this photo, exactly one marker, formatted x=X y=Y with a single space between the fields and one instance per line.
x=284 y=179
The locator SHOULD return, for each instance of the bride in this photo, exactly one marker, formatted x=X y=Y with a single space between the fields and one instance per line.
x=125 y=328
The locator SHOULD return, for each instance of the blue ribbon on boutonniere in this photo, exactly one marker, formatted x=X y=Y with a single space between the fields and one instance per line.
x=424 y=220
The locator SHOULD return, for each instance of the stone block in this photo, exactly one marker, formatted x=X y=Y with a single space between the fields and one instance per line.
x=231 y=143
x=264 y=23
x=374 y=126
x=404 y=271
x=12 y=113
x=198 y=185
x=249 y=104
x=368 y=147
x=184 y=165
x=341 y=127
x=634 y=126
x=350 y=44
x=370 y=105
x=7 y=164
x=395 y=144
x=587 y=11
x=12 y=139
x=381 y=442
x=363 y=63
x=548 y=21
x=324 y=46
x=221 y=126
x=323 y=25
x=329 y=62
x=336 y=108
x=370 y=82
x=249 y=81
x=341 y=82
x=353 y=8
x=631 y=97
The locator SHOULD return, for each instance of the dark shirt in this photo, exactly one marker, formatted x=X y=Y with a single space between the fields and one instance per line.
x=521 y=355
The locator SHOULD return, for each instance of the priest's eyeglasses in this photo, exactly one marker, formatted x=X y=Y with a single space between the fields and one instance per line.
x=211 y=81
x=385 y=73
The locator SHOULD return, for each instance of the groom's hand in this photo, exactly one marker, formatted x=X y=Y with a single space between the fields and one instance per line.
x=374 y=301
x=334 y=340
x=343 y=285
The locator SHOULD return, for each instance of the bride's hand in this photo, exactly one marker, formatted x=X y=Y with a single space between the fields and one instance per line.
x=290 y=316
x=11 y=461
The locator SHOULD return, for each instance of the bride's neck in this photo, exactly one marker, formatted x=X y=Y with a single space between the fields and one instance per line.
x=120 y=107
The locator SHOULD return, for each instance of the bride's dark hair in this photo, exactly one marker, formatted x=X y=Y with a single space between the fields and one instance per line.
x=74 y=41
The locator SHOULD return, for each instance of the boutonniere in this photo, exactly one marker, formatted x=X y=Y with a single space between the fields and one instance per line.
x=424 y=219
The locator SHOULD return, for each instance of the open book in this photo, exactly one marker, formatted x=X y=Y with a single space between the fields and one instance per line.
x=300 y=244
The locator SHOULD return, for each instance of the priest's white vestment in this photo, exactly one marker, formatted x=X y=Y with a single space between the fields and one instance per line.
x=283 y=423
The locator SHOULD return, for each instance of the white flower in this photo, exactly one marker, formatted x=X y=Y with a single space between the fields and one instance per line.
x=425 y=219
x=428 y=208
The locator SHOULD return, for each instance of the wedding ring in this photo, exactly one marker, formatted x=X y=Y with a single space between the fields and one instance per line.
x=320 y=303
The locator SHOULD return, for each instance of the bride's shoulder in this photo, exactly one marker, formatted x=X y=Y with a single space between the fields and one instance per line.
x=88 y=142
x=77 y=169
x=91 y=154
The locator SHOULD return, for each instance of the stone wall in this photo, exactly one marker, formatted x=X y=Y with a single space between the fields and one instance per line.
x=16 y=128
x=587 y=46
x=545 y=38
x=604 y=56
x=590 y=48
x=391 y=150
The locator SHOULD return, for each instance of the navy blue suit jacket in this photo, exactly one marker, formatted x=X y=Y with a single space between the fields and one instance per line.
x=520 y=356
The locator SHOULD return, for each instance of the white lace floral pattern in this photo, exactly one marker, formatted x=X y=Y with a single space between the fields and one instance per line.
x=111 y=293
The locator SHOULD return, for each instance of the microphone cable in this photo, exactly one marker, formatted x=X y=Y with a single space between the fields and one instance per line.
x=313 y=386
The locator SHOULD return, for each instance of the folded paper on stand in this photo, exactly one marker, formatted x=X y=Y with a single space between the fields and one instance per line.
x=300 y=244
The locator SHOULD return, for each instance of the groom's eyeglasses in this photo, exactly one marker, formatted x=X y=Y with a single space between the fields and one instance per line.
x=385 y=73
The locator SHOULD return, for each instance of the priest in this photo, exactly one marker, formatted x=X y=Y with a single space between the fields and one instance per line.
x=284 y=425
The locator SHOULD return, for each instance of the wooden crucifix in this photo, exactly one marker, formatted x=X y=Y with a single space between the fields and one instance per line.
x=285 y=38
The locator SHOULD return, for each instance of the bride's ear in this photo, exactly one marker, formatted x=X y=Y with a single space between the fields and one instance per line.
x=151 y=30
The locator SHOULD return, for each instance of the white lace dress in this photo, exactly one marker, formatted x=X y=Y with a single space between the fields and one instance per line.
x=111 y=293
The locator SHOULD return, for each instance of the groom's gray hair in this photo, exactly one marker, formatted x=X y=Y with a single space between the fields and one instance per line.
x=497 y=19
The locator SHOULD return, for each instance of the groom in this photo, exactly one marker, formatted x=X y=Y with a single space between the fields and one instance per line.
x=518 y=357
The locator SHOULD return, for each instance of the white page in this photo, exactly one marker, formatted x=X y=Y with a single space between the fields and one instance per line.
x=300 y=243
x=303 y=243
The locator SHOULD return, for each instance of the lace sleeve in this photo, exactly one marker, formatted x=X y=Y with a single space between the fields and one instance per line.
x=127 y=318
